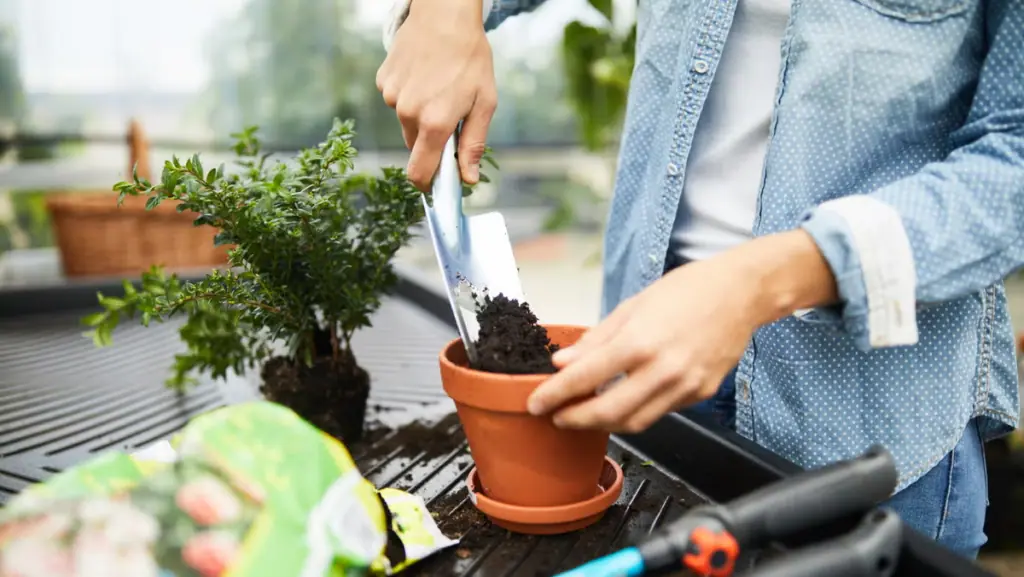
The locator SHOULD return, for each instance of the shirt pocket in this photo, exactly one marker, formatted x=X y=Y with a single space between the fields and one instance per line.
x=918 y=11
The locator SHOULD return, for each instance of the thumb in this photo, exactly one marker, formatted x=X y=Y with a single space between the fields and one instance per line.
x=473 y=138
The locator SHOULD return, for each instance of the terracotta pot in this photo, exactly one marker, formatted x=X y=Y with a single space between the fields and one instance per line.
x=521 y=459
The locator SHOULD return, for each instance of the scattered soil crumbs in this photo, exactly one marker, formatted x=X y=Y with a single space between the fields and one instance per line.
x=332 y=398
x=434 y=440
x=456 y=516
x=510 y=341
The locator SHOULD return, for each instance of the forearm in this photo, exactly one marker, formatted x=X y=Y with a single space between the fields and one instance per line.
x=787 y=273
x=490 y=13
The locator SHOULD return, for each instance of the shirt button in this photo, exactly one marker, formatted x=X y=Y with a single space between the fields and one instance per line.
x=673 y=168
x=700 y=66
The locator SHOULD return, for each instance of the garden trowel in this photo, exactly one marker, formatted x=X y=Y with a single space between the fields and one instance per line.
x=474 y=253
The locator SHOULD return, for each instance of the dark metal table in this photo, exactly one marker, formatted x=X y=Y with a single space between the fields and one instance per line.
x=62 y=401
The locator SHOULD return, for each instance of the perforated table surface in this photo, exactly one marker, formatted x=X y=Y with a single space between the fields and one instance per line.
x=63 y=401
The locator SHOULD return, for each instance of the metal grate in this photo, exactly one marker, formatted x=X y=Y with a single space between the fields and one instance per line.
x=438 y=475
x=62 y=400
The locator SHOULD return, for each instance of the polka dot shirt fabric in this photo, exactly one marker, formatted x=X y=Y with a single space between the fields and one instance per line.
x=918 y=104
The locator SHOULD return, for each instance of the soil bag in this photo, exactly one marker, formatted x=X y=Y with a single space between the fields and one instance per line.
x=245 y=491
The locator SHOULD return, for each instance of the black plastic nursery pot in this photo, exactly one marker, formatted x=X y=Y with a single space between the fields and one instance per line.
x=63 y=401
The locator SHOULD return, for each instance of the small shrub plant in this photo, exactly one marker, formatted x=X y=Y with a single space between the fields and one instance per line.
x=313 y=244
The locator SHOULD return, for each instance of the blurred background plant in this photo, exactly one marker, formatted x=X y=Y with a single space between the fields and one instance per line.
x=598 y=63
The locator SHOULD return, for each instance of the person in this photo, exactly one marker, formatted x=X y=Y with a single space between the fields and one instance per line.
x=821 y=196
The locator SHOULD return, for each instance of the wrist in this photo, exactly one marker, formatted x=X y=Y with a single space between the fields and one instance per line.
x=452 y=8
x=787 y=272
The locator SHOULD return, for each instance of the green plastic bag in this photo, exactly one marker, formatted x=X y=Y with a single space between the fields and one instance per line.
x=248 y=491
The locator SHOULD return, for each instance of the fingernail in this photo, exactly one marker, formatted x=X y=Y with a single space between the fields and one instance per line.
x=535 y=406
x=474 y=172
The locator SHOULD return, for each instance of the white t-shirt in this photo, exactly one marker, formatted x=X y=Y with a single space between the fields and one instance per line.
x=723 y=171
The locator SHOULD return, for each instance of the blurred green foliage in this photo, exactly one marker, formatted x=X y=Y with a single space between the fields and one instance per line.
x=598 y=63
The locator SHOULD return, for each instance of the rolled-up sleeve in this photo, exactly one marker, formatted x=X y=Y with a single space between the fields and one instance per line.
x=952 y=229
x=494 y=12
x=501 y=10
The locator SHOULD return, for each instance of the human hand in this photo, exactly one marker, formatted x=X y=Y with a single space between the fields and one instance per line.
x=440 y=71
x=676 y=340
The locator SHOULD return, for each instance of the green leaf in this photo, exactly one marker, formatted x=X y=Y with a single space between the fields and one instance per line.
x=153 y=202
x=101 y=336
x=93 y=319
x=204 y=219
x=605 y=7
x=111 y=303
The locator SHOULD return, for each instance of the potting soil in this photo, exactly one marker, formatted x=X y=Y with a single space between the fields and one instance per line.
x=510 y=340
x=249 y=490
x=331 y=398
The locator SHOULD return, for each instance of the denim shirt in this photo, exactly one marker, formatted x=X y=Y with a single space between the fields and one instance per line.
x=897 y=142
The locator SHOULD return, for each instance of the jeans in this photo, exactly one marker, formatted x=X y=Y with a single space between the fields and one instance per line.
x=722 y=406
x=947 y=504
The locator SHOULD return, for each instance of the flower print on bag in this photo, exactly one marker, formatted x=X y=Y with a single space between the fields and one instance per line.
x=211 y=553
x=35 y=556
x=208 y=501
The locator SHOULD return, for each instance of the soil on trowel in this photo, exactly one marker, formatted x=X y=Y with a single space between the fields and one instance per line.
x=510 y=340
x=331 y=396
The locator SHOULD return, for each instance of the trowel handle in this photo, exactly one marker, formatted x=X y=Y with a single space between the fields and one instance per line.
x=446 y=194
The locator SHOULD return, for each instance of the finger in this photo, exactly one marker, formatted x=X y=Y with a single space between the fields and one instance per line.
x=408 y=113
x=424 y=159
x=612 y=409
x=390 y=92
x=581 y=378
x=595 y=337
x=473 y=138
x=433 y=131
x=382 y=75
x=409 y=136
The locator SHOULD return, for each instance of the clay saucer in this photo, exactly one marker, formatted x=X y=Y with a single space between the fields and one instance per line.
x=550 y=520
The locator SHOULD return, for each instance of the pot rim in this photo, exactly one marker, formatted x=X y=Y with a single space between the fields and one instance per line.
x=521 y=378
x=492 y=391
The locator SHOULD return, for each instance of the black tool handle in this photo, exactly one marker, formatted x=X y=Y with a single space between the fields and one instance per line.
x=870 y=550
x=812 y=498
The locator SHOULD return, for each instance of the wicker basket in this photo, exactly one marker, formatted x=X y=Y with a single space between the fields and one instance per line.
x=96 y=237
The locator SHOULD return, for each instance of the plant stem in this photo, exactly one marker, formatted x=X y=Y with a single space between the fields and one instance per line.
x=335 y=345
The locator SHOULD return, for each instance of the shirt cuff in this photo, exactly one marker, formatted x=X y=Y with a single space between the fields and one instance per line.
x=400 y=11
x=867 y=248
